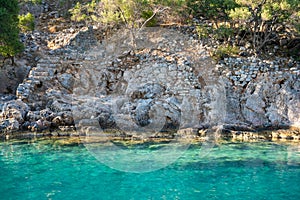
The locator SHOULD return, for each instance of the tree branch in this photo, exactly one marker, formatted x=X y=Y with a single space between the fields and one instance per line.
x=153 y=15
x=123 y=15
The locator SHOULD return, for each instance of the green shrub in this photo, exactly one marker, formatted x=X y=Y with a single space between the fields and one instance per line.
x=32 y=1
x=26 y=22
x=211 y=9
x=146 y=15
x=225 y=51
x=202 y=31
x=77 y=12
x=240 y=13
x=128 y=12
x=295 y=20
x=223 y=33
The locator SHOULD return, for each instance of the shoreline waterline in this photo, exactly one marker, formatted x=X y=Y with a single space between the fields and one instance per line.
x=184 y=135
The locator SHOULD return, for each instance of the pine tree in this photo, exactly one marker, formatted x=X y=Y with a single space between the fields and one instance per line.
x=10 y=44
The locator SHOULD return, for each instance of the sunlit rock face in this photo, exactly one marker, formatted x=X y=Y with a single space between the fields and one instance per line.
x=167 y=84
x=272 y=100
x=163 y=82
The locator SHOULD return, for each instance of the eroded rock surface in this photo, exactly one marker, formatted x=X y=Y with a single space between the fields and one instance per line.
x=168 y=83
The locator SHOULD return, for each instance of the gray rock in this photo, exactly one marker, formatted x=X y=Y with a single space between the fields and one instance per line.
x=66 y=80
x=33 y=116
x=15 y=109
x=142 y=112
x=164 y=88
x=9 y=125
x=148 y=91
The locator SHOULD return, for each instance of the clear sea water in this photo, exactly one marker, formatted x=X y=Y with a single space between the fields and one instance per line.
x=44 y=169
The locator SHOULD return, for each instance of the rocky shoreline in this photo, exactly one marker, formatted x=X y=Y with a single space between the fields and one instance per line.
x=207 y=135
x=168 y=85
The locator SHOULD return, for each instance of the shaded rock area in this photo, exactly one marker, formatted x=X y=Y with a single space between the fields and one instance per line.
x=12 y=76
x=167 y=86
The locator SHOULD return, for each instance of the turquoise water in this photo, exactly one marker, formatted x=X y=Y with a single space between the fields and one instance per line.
x=43 y=169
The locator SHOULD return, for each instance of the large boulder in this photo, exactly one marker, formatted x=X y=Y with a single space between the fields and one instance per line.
x=272 y=100
x=9 y=125
x=13 y=115
x=14 y=109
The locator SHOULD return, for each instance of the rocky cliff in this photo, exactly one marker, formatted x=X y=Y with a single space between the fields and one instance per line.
x=166 y=85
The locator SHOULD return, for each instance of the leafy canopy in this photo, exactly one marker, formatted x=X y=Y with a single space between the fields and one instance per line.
x=9 y=31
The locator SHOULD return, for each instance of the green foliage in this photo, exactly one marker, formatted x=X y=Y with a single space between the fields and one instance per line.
x=202 y=31
x=264 y=18
x=77 y=13
x=26 y=22
x=266 y=10
x=9 y=31
x=111 y=12
x=224 y=51
x=295 y=20
x=223 y=33
x=239 y=13
x=211 y=9
x=32 y=1
x=36 y=1
x=260 y=22
x=171 y=3
x=146 y=15
x=132 y=13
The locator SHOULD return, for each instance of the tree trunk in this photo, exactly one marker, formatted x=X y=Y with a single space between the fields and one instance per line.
x=12 y=60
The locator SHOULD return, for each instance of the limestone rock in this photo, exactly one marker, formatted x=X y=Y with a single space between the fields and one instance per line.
x=9 y=125
x=254 y=110
x=66 y=81
x=169 y=83
x=15 y=109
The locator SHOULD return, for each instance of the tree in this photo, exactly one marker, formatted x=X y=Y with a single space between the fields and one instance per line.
x=265 y=19
x=132 y=14
x=10 y=44
x=259 y=23
x=215 y=10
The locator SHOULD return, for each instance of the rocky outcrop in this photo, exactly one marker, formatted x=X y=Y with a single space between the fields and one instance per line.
x=168 y=83
x=13 y=115
x=269 y=100
x=12 y=76
x=272 y=100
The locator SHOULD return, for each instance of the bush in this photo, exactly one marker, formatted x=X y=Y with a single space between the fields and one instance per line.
x=215 y=10
x=129 y=12
x=32 y=1
x=78 y=12
x=259 y=22
x=26 y=22
x=202 y=31
x=225 y=51
x=223 y=33
x=146 y=15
